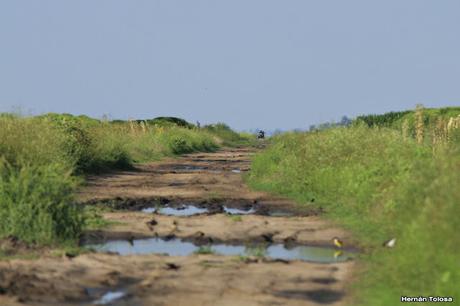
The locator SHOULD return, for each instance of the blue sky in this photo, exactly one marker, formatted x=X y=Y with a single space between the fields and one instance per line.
x=253 y=63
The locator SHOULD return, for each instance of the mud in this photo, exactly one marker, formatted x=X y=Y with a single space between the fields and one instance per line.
x=207 y=182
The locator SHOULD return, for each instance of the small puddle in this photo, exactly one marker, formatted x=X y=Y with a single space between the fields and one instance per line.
x=109 y=297
x=177 y=247
x=280 y=213
x=236 y=171
x=189 y=168
x=184 y=210
x=237 y=211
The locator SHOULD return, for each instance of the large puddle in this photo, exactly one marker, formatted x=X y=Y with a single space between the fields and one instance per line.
x=177 y=247
x=191 y=210
x=183 y=210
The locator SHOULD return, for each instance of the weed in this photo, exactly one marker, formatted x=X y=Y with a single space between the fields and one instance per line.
x=419 y=127
x=235 y=218
x=256 y=251
x=213 y=196
x=94 y=219
x=36 y=203
x=205 y=250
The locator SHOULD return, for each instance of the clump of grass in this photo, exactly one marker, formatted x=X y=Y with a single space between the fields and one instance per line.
x=256 y=251
x=36 y=204
x=453 y=126
x=419 y=126
x=213 y=196
x=94 y=219
x=205 y=250
x=235 y=218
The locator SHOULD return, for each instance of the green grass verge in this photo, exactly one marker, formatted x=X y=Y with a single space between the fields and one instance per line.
x=379 y=185
x=230 y=138
x=44 y=159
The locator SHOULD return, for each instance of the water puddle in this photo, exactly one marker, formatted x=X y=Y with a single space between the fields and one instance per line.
x=110 y=297
x=184 y=210
x=190 y=168
x=177 y=247
x=238 y=211
x=280 y=213
x=236 y=171
x=191 y=210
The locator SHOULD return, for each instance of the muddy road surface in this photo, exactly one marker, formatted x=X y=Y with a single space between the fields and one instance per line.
x=187 y=231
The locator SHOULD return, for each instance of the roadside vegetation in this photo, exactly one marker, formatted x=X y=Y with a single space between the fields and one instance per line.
x=390 y=176
x=44 y=159
x=230 y=138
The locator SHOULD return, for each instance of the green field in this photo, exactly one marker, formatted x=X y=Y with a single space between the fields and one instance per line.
x=380 y=181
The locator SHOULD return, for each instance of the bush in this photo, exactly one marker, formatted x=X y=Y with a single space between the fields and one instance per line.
x=169 y=122
x=31 y=141
x=36 y=204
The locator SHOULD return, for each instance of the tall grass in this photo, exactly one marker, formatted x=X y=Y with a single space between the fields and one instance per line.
x=230 y=138
x=379 y=184
x=42 y=160
x=35 y=182
x=36 y=203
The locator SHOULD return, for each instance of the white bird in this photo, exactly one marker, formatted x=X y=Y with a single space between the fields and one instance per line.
x=390 y=243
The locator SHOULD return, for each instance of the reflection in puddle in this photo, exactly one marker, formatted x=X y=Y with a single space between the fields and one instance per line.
x=109 y=297
x=185 y=210
x=190 y=168
x=237 y=211
x=280 y=213
x=191 y=210
x=177 y=247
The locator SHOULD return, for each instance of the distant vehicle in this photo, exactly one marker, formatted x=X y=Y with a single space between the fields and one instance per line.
x=261 y=135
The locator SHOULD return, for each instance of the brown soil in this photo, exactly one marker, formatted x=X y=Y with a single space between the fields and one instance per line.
x=207 y=181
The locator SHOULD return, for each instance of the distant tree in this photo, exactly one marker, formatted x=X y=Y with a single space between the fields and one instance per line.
x=345 y=121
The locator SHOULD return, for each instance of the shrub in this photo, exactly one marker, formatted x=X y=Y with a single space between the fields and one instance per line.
x=31 y=140
x=168 y=122
x=36 y=204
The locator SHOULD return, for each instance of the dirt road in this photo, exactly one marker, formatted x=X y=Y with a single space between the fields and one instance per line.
x=196 y=206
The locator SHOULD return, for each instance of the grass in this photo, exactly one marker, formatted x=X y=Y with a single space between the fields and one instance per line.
x=205 y=250
x=37 y=204
x=379 y=185
x=235 y=218
x=259 y=251
x=230 y=138
x=213 y=196
x=93 y=217
x=43 y=160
